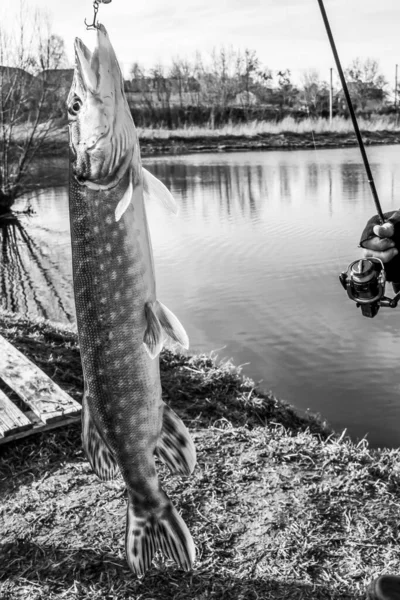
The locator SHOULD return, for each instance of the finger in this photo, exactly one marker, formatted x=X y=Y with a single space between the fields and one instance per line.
x=385 y=230
x=385 y=256
x=378 y=244
x=393 y=216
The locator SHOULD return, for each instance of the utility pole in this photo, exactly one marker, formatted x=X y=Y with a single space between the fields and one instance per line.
x=395 y=88
x=331 y=98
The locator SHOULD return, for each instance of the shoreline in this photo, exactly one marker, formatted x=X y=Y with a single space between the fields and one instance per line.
x=268 y=142
x=179 y=145
x=278 y=506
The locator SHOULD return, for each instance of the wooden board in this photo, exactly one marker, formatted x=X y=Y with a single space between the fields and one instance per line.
x=46 y=399
x=11 y=418
x=38 y=428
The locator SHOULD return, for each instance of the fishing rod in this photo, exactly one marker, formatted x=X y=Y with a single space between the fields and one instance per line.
x=352 y=113
x=364 y=279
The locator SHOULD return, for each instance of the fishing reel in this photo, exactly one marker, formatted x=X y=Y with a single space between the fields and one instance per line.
x=364 y=282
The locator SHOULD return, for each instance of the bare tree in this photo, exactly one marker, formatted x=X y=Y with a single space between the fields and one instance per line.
x=29 y=97
x=181 y=74
x=137 y=72
x=249 y=64
x=314 y=92
x=287 y=92
x=366 y=82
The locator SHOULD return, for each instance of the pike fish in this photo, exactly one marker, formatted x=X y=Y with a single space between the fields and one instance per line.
x=122 y=326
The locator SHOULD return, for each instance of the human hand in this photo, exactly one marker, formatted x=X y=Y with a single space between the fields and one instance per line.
x=376 y=240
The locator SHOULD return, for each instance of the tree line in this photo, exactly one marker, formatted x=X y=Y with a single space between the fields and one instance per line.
x=234 y=86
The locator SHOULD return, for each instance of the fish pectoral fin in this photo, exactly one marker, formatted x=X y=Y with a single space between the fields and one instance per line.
x=153 y=338
x=146 y=534
x=126 y=198
x=154 y=188
x=175 y=446
x=171 y=325
x=98 y=453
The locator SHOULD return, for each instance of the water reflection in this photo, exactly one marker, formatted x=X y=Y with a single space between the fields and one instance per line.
x=30 y=280
x=282 y=178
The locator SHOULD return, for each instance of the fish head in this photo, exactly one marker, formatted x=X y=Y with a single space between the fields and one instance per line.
x=102 y=134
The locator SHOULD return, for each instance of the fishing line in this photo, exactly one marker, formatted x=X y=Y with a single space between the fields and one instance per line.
x=352 y=113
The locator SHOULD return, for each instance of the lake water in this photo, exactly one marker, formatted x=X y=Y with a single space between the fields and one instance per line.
x=250 y=266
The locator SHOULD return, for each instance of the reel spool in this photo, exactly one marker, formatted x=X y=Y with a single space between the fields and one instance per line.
x=365 y=281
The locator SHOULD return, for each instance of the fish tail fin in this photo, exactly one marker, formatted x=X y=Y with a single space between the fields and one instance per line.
x=175 y=539
x=147 y=534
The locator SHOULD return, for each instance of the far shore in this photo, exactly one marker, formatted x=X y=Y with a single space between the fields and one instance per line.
x=175 y=145
x=281 y=141
x=285 y=135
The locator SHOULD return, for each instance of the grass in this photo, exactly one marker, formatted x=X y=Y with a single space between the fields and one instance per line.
x=279 y=506
x=339 y=125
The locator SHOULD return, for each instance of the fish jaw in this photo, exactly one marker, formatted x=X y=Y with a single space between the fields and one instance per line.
x=103 y=138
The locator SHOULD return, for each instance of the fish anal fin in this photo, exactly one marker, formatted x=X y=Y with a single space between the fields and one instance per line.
x=98 y=453
x=154 y=188
x=153 y=338
x=171 y=325
x=146 y=534
x=175 y=446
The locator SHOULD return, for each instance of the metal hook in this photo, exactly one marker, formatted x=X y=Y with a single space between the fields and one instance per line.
x=94 y=24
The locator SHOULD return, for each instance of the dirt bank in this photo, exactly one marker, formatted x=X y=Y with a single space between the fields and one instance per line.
x=278 y=508
x=282 y=141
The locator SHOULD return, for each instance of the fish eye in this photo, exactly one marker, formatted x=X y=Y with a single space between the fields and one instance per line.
x=75 y=106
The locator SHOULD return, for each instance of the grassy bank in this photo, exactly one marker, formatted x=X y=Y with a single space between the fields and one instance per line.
x=288 y=134
x=278 y=506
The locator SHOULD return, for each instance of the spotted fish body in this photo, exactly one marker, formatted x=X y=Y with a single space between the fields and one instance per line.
x=121 y=324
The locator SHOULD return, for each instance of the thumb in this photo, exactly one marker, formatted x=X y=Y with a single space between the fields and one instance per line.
x=384 y=231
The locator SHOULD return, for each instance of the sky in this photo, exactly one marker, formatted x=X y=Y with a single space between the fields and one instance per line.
x=284 y=33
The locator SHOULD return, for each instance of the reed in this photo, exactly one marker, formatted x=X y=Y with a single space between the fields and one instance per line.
x=339 y=125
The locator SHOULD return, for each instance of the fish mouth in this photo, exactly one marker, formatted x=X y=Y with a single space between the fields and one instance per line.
x=96 y=70
x=82 y=174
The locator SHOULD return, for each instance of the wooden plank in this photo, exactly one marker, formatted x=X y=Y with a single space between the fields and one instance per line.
x=11 y=418
x=39 y=428
x=47 y=400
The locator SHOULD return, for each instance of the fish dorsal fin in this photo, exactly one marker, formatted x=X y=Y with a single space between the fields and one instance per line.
x=171 y=325
x=160 y=319
x=175 y=447
x=154 y=188
x=125 y=200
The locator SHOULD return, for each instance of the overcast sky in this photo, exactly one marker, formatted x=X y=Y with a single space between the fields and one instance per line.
x=284 y=33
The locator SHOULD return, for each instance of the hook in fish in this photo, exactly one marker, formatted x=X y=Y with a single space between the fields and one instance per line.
x=93 y=25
